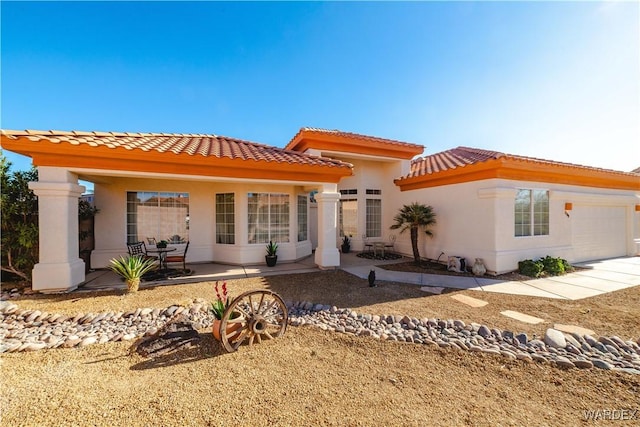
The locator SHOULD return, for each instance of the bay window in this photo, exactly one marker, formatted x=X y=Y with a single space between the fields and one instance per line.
x=268 y=217
x=225 y=219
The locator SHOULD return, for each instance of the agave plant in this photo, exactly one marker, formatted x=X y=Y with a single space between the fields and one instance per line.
x=131 y=269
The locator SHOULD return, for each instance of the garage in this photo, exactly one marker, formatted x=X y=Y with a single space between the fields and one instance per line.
x=598 y=232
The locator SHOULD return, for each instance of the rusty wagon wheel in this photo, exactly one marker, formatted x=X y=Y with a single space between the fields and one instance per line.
x=252 y=317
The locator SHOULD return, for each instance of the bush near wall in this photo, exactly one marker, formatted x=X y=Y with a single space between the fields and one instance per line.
x=547 y=266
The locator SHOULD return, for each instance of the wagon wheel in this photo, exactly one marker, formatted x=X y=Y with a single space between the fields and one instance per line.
x=252 y=317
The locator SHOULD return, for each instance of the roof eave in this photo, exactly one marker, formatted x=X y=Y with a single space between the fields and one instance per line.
x=66 y=155
x=310 y=139
x=520 y=170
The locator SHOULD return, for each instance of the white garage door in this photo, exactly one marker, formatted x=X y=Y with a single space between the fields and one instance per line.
x=598 y=232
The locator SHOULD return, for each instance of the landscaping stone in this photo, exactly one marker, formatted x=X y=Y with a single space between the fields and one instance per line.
x=484 y=332
x=583 y=364
x=522 y=338
x=601 y=364
x=554 y=338
x=563 y=362
x=608 y=342
x=571 y=340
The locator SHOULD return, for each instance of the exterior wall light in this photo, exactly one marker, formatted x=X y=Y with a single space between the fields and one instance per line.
x=568 y=206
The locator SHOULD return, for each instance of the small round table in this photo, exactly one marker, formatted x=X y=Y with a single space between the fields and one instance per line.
x=162 y=255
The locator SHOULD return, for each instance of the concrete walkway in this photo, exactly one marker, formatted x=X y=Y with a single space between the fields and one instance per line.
x=600 y=278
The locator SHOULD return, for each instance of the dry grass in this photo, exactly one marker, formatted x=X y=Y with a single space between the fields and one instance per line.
x=310 y=377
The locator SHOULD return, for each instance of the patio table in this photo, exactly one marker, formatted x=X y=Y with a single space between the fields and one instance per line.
x=162 y=256
x=378 y=247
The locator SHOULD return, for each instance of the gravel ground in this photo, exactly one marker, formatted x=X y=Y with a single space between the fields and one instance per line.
x=311 y=377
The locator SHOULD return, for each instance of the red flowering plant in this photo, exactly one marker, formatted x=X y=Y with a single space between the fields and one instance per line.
x=222 y=302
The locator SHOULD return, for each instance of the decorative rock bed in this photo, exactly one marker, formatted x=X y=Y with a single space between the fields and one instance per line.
x=29 y=330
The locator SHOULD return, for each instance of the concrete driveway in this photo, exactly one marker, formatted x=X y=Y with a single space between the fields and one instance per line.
x=599 y=278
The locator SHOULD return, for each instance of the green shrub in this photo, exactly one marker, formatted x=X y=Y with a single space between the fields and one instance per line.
x=553 y=266
x=19 y=234
x=544 y=266
x=530 y=268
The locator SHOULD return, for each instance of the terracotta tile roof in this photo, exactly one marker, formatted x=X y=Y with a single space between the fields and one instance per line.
x=350 y=135
x=334 y=142
x=182 y=144
x=460 y=157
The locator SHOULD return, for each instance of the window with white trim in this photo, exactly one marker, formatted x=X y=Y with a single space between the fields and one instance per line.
x=268 y=217
x=302 y=218
x=225 y=219
x=158 y=215
x=531 y=213
x=348 y=213
x=374 y=217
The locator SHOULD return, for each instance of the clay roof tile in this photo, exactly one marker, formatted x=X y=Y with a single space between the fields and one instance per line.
x=460 y=157
x=182 y=144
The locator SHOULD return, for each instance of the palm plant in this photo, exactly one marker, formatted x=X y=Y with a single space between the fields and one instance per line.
x=272 y=248
x=132 y=268
x=413 y=217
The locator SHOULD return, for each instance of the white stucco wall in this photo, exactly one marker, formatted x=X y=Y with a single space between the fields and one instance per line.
x=476 y=220
x=375 y=175
x=110 y=223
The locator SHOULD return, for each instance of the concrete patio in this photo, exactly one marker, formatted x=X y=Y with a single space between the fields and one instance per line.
x=105 y=279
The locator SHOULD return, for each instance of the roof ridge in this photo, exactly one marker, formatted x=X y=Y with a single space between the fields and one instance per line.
x=351 y=134
x=178 y=143
x=478 y=155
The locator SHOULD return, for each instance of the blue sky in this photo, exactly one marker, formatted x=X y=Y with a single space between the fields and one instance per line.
x=552 y=80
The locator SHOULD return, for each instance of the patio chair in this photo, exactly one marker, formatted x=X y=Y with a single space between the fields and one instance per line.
x=179 y=258
x=390 y=245
x=152 y=241
x=140 y=249
x=367 y=244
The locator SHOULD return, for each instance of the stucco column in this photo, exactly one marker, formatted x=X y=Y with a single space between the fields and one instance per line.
x=327 y=255
x=59 y=268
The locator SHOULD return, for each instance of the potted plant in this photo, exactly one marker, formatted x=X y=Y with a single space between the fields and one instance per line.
x=272 y=254
x=131 y=269
x=218 y=307
x=346 y=245
x=161 y=244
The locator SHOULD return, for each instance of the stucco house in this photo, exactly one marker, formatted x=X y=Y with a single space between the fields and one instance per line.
x=229 y=197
